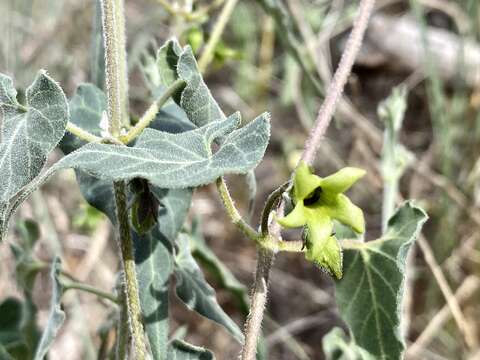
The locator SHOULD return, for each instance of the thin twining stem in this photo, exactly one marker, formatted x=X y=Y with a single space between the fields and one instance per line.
x=152 y=111
x=265 y=259
x=233 y=213
x=339 y=80
x=90 y=289
x=82 y=134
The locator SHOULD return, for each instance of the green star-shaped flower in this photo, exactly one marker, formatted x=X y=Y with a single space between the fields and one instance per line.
x=318 y=201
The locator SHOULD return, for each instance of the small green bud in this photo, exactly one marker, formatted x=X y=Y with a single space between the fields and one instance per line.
x=144 y=209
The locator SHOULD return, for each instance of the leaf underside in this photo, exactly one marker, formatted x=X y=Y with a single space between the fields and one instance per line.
x=154 y=260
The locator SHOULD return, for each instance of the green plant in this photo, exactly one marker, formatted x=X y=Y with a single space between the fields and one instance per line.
x=183 y=141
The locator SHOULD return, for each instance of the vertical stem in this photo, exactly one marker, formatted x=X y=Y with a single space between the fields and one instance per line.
x=115 y=64
x=339 y=80
x=128 y=261
x=258 y=302
x=112 y=65
x=122 y=340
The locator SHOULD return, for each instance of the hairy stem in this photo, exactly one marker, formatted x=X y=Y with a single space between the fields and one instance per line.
x=128 y=262
x=115 y=80
x=82 y=134
x=151 y=112
x=91 y=290
x=258 y=302
x=339 y=80
x=220 y=24
x=233 y=213
x=123 y=332
x=115 y=57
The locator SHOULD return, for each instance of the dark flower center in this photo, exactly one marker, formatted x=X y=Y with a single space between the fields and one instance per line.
x=313 y=197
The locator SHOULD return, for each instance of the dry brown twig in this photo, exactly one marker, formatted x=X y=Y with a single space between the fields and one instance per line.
x=469 y=286
x=452 y=303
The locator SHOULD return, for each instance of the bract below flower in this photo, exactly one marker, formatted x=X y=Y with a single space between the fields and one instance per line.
x=318 y=201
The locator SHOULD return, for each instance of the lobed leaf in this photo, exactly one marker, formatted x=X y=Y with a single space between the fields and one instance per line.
x=56 y=316
x=196 y=100
x=370 y=294
x=177 y=160
x=28 y=134
x=172 y=63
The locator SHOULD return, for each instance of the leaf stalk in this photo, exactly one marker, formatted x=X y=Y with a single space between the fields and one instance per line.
x=82 y=134
x=233 y=213
x=90 y=289
x=151 y=112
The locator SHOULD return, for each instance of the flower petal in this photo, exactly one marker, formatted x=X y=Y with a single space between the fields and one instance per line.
x=295 y=218
x=343 y=210
x=327 y=255
x=304 y=182
x=319 y=226
x=322 y=248
x=342 y=180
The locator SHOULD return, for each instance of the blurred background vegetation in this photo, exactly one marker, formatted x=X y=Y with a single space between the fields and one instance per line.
x=280 y=62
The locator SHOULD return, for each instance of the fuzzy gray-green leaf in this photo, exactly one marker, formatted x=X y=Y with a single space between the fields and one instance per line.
x=174 y=63
x=56 y=316
x=177 y=160
x=370 y=294
x=154 y=260
x=195 y=292
x=181 y=350
x=28 y=134
x=196 y=100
